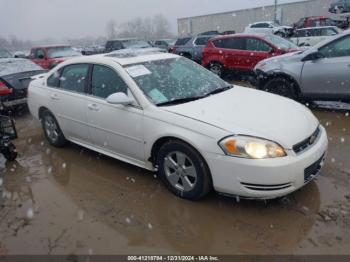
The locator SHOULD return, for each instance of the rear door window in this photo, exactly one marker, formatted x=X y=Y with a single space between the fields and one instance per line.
x=74 y=77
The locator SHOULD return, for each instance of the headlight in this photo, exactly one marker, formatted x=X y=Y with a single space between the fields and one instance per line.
x=251 y=147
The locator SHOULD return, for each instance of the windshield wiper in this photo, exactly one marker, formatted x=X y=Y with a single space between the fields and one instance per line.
x=219 y=90
x=179 y=101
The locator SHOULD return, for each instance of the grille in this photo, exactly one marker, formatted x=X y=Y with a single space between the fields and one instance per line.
x=303 y=145
x=258 y=187
x=311 y=171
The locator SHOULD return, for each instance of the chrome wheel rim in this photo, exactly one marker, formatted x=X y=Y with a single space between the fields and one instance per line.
x=51 y=128
x=180 y=171
x=216 y=69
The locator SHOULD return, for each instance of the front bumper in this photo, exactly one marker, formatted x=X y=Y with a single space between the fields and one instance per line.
x=15 y=102
x=267 y=178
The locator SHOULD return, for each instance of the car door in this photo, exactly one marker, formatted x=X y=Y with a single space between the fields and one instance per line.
x=233 y=53
x=329 y=76
x=255 y=51
x=114 y=128
x=69 y=102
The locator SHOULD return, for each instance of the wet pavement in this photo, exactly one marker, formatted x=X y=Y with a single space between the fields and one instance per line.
x=75 y=201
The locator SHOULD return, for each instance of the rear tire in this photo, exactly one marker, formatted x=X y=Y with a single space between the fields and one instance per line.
x=10 y=152
x=281 y=86
x=183 y=170
x=217 y=69
x=52 y=130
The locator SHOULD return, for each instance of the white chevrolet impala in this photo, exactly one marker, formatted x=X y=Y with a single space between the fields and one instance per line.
x=169 y=115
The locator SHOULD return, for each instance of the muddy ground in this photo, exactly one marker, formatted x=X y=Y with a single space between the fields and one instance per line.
x=75 y=201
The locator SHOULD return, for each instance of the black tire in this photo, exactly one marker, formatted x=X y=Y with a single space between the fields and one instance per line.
x=217 y=69
x=10 y=152
x=281 y=86
x=188 y=56
x=57 y=140
x=202 y=184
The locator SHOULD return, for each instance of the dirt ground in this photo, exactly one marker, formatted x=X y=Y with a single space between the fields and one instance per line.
x=75 y=201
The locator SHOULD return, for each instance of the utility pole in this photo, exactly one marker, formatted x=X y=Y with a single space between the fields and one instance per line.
x=275 y=11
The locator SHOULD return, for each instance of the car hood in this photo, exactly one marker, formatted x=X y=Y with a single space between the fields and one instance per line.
x=244 y=111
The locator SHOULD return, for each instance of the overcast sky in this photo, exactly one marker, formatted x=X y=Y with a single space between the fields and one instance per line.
x=38 y=19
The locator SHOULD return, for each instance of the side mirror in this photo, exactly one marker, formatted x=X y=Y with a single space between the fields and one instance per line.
x=119 y=99
x=313 y=56
x=41 y=56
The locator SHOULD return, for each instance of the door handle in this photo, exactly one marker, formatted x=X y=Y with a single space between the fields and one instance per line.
x=54 y=97
x=93 y=107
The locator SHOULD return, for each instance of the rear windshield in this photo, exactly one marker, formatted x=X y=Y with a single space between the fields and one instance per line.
x=202 y=40
x=5 y=54
x=62 y=51
x=280 y=42
x=17 y=65
x=182 y=41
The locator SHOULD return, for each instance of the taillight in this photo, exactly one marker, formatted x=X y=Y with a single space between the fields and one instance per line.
x=4 y=90
x=172 y=49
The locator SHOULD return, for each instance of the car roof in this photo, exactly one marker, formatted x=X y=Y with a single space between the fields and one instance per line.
x=124 y=39
x=316 y=27
x=255 y=35
x=48 y=46
x=123 y=57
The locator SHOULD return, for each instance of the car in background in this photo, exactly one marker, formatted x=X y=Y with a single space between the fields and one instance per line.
x=125 y=43
x=166 y=44
x=15 y=76
x=192 y=49
x=49 y=56
x=321 y=72
x=241 y=52
x=169 y=115
x=340 y=6
x=317 y=21
x=269 y=27
x=313 y=35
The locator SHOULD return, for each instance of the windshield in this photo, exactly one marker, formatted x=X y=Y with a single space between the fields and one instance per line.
x=173 y=79
x=280 y=42
x=171 y=41
x=63 y=51
x=135 y=44
x=5 y=54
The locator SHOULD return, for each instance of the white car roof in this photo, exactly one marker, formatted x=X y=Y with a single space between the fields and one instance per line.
x=123 y=58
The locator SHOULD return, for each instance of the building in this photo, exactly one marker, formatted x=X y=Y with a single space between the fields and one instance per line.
x=286 y=14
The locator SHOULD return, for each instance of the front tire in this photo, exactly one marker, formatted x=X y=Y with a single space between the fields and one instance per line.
x=52 y=130
x=10 y=152
x=183 y=170
x=281 y=86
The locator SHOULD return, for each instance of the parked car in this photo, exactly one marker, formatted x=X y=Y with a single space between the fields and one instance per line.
x=49 y=56
x=269 y=27
x=15 y=75
x=317 y=21
x=241 y=52
x=180 y=120
x=340 y=6
x=166 y=44
x=313 y=35
x=125 y=43
x=193 y=48
x=318 y=73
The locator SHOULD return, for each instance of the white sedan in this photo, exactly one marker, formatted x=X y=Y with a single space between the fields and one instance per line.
x=169 y=115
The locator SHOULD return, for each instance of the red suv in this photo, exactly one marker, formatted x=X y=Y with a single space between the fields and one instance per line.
x=241 y=52
x=49 y=56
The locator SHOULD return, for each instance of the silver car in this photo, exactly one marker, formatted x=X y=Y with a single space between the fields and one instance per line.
x=318 y=73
